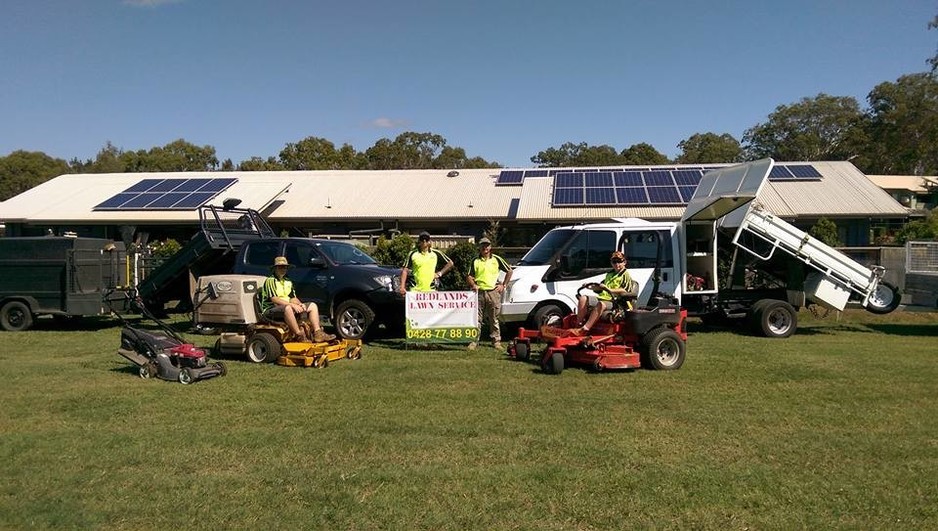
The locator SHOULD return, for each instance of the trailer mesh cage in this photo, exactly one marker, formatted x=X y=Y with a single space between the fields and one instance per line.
x=921 y=257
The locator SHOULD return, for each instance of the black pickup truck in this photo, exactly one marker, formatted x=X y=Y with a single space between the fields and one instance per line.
x=348 y=286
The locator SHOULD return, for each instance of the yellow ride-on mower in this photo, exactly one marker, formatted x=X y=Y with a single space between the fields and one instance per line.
x=229 y=304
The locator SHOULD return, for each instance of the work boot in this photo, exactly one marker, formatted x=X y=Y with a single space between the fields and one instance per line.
x=497 y=345
x=319 y=336
x=472 y=346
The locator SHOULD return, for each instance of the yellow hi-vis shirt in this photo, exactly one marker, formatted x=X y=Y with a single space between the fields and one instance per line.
x=423 y=267
x=275 y=288
x=485 y=271
x=615 y=280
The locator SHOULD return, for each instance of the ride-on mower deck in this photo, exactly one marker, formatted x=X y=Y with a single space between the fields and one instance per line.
x=298 y=354
x=652 y=337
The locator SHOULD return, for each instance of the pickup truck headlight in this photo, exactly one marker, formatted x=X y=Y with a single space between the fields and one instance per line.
x=389 y=282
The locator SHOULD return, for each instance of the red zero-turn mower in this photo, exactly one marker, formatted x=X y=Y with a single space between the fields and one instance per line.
x=653 y=337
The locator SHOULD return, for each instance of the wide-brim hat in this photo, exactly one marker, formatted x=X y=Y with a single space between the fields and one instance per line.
x=281 y=261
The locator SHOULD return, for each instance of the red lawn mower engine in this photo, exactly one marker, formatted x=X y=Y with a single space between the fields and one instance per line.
x=653 y=337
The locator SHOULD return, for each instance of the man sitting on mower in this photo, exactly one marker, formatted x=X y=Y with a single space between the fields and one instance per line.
x=616 y=284
x=279 y=303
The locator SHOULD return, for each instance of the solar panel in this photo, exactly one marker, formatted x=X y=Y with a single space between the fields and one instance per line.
x=597 y=179
x=509 y=177
x=804 y=171
x=780 y=173
x=687 y=177
x=663 y=194
x=601 y=196
x=658 y=178
x=687 y=192
x=568 y=180
x=631 y=195
x=628 y=178
x=164 y=194
x=535 y=173
x=568 y=196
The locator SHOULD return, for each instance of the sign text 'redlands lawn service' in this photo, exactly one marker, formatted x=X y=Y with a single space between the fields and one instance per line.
x=442 y=316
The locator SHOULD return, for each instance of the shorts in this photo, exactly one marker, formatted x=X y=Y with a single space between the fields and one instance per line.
x=276 y=314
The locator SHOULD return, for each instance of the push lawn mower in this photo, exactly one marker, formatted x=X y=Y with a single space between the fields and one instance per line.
x=653 y=337
x=166 y=356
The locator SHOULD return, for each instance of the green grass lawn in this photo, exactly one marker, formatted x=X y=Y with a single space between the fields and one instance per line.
x=834 y=427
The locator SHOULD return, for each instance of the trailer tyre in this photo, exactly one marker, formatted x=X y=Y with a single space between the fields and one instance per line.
x=664 y=349
x=15 y=316
x=884 y=300
x=353 y=318
x=263 y=348
x=775 y=319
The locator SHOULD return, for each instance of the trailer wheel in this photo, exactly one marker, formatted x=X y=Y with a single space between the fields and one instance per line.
x=522 y=351
x=884 y=300
x=185 y=376
x=263 y=348
x=553 y=363
x=664 y=349
x=776 y=319
x=549 y=314
x=15 y=316
x=353 y=318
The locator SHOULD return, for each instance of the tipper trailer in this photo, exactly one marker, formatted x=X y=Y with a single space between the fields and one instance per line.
x=727 y=258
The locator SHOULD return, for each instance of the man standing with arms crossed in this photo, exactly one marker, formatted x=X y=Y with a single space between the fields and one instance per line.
x=422 y=263
x=483 y=278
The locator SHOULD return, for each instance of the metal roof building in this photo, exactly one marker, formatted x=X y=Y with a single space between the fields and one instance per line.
x=442 y=201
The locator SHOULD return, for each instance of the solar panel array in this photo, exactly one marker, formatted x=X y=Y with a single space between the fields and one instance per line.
x=167 y=194
x=635 y=186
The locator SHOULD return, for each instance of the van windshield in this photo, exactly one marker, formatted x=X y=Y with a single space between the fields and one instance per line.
x=344 y=253
x=545 y=249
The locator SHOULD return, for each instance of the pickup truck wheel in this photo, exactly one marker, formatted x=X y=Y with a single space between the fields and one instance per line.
x=549 y=314
x=263 y=348
x=664 y=349
x=353 y=318
x=15 y=316
x=776 y=319
x=884 y=300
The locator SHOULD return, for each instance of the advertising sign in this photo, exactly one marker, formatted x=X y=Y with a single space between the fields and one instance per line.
x=442 y=316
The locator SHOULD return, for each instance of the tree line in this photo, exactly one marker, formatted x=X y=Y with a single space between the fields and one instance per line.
x=895 y=134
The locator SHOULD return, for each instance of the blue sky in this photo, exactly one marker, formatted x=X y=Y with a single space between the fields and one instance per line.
x=503 y=79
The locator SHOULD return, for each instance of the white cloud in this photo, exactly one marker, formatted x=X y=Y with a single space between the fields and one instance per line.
x=387 y=123
x=150 y=3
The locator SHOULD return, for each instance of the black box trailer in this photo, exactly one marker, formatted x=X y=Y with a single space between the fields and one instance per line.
x=57 y=276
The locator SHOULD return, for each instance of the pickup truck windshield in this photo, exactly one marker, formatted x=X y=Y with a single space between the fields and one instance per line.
x=545 y=249
x=344 y=253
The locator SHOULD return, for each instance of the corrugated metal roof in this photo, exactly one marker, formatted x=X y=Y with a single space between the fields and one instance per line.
x=422 y=194
x=912 y=183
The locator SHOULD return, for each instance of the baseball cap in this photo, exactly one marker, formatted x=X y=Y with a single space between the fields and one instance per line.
x=485 y=241
x=424 y=236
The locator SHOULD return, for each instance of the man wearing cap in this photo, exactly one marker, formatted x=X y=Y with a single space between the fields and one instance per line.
x=616 y=283
x=422 y=263
x=279 y=303
x=483 y=279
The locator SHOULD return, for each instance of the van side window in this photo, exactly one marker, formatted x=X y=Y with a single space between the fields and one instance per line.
x=262 y=253
x=588 y=252
x=641 y=249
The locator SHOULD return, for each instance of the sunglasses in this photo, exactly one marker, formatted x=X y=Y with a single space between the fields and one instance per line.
x=617 y=260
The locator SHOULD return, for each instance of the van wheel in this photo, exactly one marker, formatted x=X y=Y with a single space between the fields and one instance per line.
x=15 y=316
x=263 y=348
x=353 y=319
x=549 y=314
